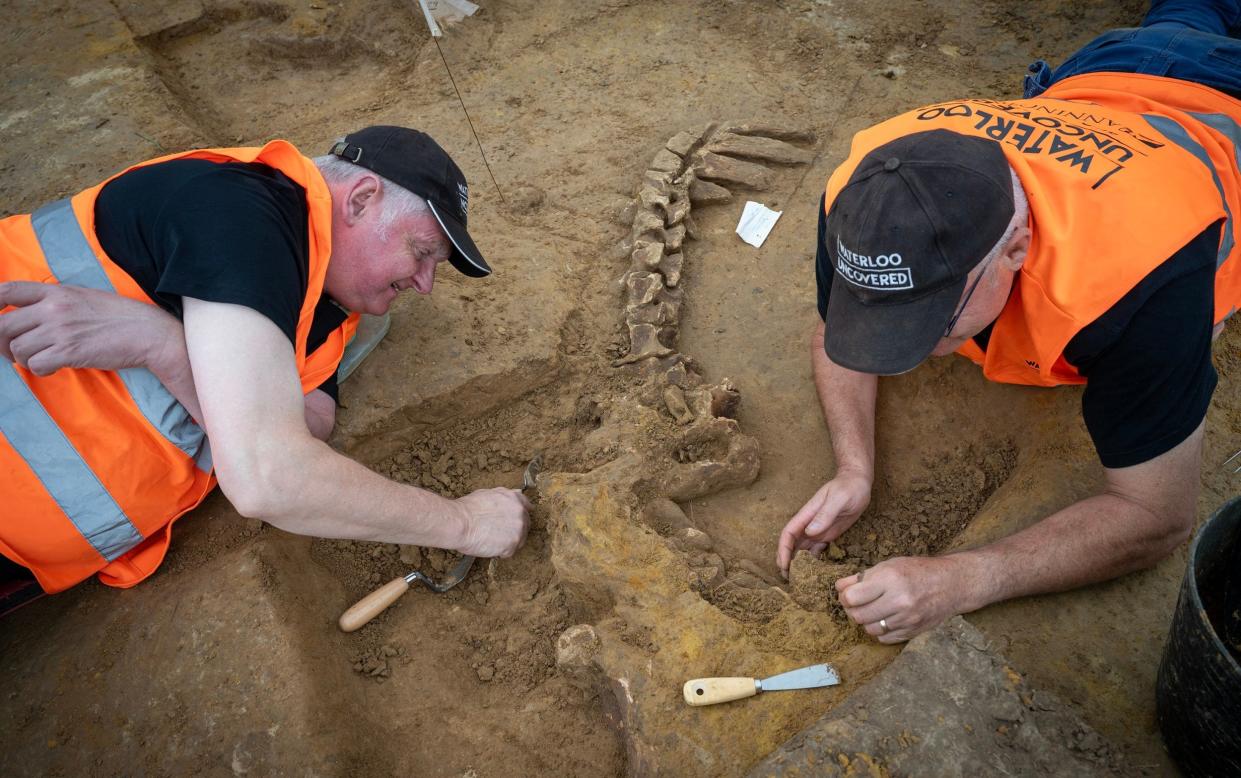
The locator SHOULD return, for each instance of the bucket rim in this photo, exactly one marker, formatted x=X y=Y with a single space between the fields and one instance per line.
x=1192 y=579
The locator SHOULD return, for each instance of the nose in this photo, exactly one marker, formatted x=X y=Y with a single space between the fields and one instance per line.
x=424 y=276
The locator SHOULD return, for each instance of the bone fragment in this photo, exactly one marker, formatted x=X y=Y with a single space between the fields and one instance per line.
x=758 y=147
x=647 y=253
x=771 y=131
x=706 y=193
x=675 y=211
x=717 y=167
x=674 y=400
x=666 y=161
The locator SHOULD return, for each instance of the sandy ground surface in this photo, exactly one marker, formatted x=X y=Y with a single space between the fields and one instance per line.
x=228 y=661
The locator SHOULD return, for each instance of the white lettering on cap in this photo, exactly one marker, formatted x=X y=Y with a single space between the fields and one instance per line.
x=881 y=273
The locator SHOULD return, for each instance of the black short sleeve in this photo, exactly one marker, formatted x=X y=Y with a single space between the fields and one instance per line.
x=227 y=233
x=223 y=232
x=1147 y=361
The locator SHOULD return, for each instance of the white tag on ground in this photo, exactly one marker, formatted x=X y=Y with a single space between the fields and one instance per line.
x=756 y=223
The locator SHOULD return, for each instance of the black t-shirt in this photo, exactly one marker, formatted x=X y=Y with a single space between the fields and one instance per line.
x=227 y=233
x=1147 y=360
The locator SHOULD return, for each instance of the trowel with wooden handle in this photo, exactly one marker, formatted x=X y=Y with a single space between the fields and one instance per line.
x=374 y=603
x=709 y=691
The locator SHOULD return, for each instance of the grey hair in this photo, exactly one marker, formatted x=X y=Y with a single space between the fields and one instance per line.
x=1021 y=216
x=399 y=202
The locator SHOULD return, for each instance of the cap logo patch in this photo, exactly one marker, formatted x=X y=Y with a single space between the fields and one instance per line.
x=463 y=192
x=881 y=273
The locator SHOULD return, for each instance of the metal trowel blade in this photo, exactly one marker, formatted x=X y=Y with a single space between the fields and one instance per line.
x=810 y=677
x=455 y=576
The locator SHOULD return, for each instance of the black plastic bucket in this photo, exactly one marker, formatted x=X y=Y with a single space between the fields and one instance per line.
x=1198 y=692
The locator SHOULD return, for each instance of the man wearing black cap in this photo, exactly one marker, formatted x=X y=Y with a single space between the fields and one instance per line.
x=1083 y=235
x=199 y=306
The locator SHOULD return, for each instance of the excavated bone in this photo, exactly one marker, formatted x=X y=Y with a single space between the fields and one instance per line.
x=677 y=375
x=719 y=400
x=691 y=227
x=783 y=133
x=643 y=287
x=682 y=143
x=660 y=179
x=691 y=540
x=674 y=236
x=758 y=147
x=664 y=516
x=667 y=162
x=670 y=266
x=674 y=399
x=675 y=211
x=706 y=193
x=651 y=197
x=717 y=167
x=644 y=344
x=645 y=221
x=664 y=312
x=647 y=253
x=576 y=649
x=738 y=467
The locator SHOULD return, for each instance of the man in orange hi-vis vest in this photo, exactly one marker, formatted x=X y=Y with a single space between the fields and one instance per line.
x=1086 y=234
x=184 y=321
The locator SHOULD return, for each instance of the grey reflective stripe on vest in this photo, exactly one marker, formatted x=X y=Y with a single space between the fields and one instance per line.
x=36 y=438
x=74 y=263
x=1177 y=134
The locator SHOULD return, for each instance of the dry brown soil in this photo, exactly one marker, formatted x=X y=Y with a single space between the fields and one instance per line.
x=228 y=661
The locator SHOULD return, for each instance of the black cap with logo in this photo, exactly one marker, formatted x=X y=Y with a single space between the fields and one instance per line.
x=412 y=160
x=917 y=215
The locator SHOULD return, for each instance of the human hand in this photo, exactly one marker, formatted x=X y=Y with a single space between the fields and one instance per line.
x=827 y=514
x=910 y=595
x=53 y=326
x=496 y=522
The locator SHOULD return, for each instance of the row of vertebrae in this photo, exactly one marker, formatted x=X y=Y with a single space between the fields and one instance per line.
x=693 y=168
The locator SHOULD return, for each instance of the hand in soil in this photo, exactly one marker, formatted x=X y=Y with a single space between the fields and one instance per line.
x=831 y=511
x=496 y=522
x=910 y=594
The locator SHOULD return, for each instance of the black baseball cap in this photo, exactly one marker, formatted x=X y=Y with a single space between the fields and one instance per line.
x=917 y=215
x=412 y=160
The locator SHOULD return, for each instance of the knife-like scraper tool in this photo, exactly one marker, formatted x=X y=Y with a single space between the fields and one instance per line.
x=709 y=691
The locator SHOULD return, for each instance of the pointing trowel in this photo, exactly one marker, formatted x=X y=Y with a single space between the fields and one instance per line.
x=374 y=603
x=708 y=691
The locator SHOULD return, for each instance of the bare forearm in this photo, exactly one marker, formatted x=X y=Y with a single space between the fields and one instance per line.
x=848 y=402
x=309 y=489
x=170 y=363
x=1093 y=540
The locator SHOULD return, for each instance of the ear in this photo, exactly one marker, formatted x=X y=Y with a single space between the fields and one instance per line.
x=1015 y=252
x=362 y=196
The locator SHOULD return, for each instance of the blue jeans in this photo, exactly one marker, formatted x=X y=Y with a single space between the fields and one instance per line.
x=1192 y=40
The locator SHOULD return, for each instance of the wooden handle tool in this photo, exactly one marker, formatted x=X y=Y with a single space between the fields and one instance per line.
x=373 y=604
x=709 y=691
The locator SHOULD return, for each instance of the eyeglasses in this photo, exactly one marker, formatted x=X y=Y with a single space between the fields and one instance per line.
x=969 y=293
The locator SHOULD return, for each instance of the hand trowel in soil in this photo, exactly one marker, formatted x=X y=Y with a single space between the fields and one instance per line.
x=709 y=691
x=374 y=603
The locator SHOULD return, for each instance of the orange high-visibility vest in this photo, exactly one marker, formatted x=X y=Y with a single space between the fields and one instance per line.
x=96 y=465
x=1121 y=171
